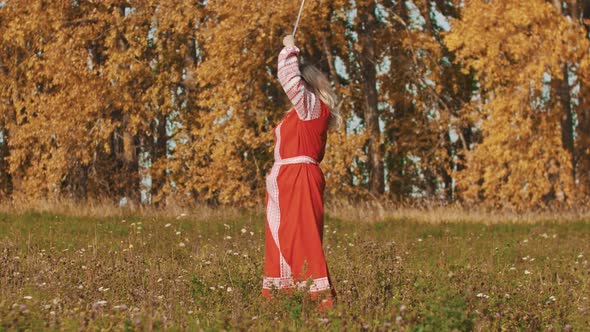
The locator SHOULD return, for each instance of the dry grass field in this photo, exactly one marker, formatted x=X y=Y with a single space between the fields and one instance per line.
x=406 y=270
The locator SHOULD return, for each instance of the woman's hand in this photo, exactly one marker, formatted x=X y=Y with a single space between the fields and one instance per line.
x=289 y=40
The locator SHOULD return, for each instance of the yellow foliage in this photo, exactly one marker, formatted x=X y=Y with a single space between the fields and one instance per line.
x=175 y=100
x=513 y=46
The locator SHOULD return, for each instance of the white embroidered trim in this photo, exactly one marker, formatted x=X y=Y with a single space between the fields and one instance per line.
x=273 y=210
x=296 y=160
x=277 y=152
x=317 y=285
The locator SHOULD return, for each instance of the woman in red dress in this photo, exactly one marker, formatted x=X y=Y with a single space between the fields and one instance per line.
x=294 y=257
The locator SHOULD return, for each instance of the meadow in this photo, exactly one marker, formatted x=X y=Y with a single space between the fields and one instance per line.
x=413 y=271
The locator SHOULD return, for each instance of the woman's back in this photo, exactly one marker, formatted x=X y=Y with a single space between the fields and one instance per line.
x=296 y=137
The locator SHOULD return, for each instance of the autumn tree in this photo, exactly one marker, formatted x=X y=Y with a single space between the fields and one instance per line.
x=102 y=91
x=483 y=102
x=516 y=48
x=572 y=92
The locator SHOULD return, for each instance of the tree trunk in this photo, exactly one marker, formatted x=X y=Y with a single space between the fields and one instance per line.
x=585 y=14
x=567 y=120
x=159 y=151
x=583 y=141
x=5 y=179
x=368 y=24
x=328 y=53
x=558 y=5
x=574 y=10
x=562 y=90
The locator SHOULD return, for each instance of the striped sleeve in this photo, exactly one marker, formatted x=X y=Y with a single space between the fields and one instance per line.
x=301 y=95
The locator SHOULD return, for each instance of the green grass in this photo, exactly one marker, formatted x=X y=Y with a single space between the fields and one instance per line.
x=133 y=274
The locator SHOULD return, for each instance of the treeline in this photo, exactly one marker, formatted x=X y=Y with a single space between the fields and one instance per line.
x=476 y=102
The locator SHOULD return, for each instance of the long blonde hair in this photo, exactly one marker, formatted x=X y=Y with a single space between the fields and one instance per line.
x=322 y=88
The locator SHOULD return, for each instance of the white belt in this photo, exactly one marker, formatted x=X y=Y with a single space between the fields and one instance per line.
x=296 y=160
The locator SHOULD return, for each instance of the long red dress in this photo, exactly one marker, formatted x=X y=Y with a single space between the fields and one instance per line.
x=294 y=257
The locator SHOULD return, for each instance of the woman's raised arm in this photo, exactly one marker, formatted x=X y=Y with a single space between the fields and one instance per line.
x=305 y=101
